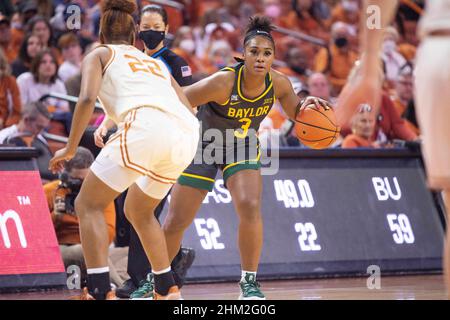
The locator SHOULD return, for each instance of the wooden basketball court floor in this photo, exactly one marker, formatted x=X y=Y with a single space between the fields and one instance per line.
x=411 y=287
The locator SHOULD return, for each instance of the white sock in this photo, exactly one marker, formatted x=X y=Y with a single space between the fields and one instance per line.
x=162 y=271
x=244 y=273
x=97 y=270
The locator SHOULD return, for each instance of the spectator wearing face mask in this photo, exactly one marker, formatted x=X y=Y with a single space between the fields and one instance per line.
x=393 y=60
x=297 y=64
x=220 y=55
x=184 y=46
x=337 y=59
x=26 y=11
x=215 y=32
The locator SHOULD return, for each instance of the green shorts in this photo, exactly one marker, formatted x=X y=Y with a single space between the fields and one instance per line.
x=202 y=171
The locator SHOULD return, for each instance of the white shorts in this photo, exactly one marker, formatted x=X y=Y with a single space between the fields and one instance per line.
x=433 y=107
x=150 y=148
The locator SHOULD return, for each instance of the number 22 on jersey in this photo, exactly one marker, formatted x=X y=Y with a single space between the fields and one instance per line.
x=137 y=65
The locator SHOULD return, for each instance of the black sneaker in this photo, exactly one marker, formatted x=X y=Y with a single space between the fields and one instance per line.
x=126 y=289
x=181 y=265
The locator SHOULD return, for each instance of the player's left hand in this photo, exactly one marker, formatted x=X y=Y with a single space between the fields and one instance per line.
x=318 y=102
x=56 y=163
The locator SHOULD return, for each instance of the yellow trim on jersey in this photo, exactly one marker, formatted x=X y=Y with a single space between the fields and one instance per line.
x=236 y=163
x=197 y=177
x=239 y=88
x=228 y=69
x=225 y=103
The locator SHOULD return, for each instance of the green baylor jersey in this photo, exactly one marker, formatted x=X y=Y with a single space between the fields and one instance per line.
x=238 y=113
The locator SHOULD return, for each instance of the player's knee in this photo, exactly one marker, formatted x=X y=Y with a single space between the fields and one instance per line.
x=247 y=203
x=84 y=206
x=130 y=212
x=176 y=222
x=138 y=214
x=249 y=209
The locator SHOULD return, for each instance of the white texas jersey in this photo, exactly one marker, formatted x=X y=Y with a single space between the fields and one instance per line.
x=436 y=17
x=132 y=79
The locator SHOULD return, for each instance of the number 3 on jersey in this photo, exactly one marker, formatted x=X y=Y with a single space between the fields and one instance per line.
x=245 y=127
x=144 y=65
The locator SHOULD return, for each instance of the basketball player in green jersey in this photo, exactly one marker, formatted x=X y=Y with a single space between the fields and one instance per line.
x=237 y=99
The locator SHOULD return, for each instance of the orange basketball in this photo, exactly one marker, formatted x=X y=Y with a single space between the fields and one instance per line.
x=316 y=128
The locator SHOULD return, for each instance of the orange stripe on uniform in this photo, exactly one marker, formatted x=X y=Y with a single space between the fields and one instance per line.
x=133 y=166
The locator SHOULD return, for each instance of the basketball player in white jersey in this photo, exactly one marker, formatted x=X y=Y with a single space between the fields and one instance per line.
x=432 y=91
x=156 y=139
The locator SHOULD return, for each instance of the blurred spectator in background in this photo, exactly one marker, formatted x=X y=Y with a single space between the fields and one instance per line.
x=307 y=16
x=363 y=127
x=42 y=80
x=403 y=96
x=28 y=133
x=215 y=32
x=60 y=196
x=338 y=58
x=29 y=48
x=45 y=8
x=26 y=11
x=73 y=84
x=34 y=119
x=72 y=55
x=319 y=86
x=184 y=46
x=62 y=22
x=272 y=10
x=10 y=104
x=6 y=39
x=347 y=11
x=390 y=125
x=391 y=57
x=40 y=27
x=6 y=8
x=220 y=55
x=297 y=64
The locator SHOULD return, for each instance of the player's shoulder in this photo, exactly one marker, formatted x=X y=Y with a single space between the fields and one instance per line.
x=280 y=81
x=223 y=78
x=278 y=77
x=104 y=52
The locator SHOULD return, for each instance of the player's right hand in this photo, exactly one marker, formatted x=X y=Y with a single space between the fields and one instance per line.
x=99 y=134
x=58 y=161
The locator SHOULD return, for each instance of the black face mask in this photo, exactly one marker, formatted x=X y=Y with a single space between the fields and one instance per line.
x=152 y=38
x=299 y=70
x=341 y=42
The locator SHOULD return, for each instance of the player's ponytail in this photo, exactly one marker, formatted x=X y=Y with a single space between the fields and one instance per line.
x=117 y=22
x=259 y=26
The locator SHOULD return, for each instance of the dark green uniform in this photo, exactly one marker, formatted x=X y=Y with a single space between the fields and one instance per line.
x=229 y=140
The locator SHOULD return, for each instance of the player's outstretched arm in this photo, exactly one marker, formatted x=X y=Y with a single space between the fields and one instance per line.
x=216 y=88
x=91 y=78
x=365 y=87
x=181 y=95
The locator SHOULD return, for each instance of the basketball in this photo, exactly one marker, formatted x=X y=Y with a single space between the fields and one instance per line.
x=316 y=128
